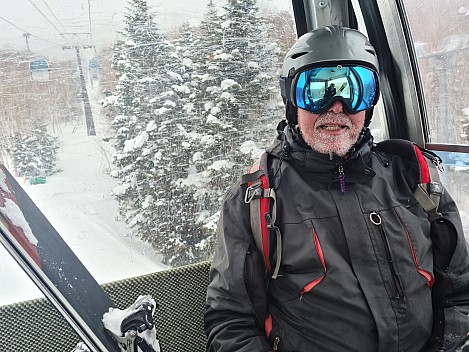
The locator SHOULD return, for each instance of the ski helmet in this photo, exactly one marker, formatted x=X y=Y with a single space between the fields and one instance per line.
x=331 y=45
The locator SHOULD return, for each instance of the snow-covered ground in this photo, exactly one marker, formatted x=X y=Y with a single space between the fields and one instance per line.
x=78 y=203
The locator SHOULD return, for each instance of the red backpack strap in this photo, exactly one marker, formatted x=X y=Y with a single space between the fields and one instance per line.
x=430 y=188
x=263 y=212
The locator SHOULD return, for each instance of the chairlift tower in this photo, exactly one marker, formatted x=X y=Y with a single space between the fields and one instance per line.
x=26 y=36
x=90 y=129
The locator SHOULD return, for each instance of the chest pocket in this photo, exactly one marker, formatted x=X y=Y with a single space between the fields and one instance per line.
x=303 y=262
x=404 y=242
x=417 y=232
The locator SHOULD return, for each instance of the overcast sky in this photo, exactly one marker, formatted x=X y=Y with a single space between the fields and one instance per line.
x=45 y=19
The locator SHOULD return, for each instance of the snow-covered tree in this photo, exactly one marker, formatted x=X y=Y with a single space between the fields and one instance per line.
x=140 y=57
x=154 y=119
x=185 y=121
x=241 y=96
x=134 y=59
x=35 y=154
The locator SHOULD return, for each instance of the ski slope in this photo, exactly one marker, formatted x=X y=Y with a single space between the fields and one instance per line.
x=78 y=203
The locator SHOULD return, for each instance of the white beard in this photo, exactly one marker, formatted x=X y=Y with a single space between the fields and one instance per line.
x=322 y=142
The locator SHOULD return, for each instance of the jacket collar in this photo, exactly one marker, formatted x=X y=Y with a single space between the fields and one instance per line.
x=290 y=147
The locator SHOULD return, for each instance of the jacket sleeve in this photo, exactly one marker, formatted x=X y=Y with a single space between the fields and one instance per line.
x=230 y=320
x=451 y=269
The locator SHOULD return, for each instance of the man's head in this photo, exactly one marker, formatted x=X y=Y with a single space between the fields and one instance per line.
x=337 y=57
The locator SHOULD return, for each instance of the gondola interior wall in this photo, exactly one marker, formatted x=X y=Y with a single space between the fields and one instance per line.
x=127 y=120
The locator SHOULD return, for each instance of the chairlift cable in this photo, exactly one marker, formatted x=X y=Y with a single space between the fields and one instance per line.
x=58 y=21
x=25 y=31
x=43 y=15
x=53 y=14
x=89 y=19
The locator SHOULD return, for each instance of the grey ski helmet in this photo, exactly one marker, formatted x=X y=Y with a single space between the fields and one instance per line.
x=328 y=45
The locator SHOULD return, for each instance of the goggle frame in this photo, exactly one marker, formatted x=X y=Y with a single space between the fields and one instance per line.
x=289 y=89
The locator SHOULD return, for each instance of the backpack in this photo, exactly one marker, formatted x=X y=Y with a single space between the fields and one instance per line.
x=262 y=199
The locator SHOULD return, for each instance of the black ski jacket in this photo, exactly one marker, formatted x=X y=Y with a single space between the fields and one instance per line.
x=357 y=267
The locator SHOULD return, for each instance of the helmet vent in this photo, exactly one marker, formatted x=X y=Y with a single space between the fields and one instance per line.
x=295 y=56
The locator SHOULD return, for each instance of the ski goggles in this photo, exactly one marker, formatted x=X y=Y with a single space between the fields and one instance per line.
x=316 y=88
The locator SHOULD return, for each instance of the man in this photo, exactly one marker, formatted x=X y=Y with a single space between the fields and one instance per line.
x=356 y=270
x=330 y=92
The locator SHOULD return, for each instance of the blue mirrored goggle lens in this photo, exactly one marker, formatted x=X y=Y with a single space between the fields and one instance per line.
x=318 y=87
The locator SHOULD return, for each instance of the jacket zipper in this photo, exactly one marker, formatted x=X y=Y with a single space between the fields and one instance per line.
x=276 y=342
x=376 y=220
x=341 y=177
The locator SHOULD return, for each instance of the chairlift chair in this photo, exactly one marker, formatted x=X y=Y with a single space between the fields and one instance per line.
x=94 y=68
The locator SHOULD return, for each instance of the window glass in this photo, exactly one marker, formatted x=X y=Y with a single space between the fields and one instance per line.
x=454 y=178
x=442 y=50
x=378 y=125
x=127 y=121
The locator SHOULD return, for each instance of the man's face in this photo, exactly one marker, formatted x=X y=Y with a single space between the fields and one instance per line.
x=331 y=132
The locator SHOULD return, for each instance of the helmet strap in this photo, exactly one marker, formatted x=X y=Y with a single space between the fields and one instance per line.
x=368 y=116
x=291 y=113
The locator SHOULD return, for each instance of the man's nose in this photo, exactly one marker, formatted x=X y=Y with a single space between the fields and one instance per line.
x=336 y=107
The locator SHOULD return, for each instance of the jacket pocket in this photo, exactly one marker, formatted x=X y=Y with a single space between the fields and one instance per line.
x=377 y=223
x=303 y=262
x=404 y=248
x=426 y=273
x=284 y=335
x=317 y=246
x=417 y=234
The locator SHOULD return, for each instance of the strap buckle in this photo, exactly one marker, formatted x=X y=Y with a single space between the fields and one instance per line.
x=253 y=191
x=435 y=188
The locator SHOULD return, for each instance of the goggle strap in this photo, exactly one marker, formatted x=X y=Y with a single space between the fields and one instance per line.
x=285 y=87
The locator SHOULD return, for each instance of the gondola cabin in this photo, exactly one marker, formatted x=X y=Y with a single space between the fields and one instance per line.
x=39 y=70
x=94 y=68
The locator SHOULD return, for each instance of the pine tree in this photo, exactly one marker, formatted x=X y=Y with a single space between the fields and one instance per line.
x=153 y=127
x=141 y=58
x=133 y=60
x=242 y=96
x=35 y=154
x=185 y=116
x=221 y=140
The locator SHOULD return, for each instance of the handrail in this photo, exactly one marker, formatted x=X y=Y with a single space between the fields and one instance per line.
x=447 y=147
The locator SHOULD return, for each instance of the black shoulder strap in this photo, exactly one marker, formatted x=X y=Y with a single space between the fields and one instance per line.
x=429 y=187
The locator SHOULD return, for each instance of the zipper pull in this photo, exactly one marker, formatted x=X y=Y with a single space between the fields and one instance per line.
x=276 y=342
x=341 y=178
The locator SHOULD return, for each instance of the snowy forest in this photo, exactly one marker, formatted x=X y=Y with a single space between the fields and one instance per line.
x=189 y=110
x=186 y=113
